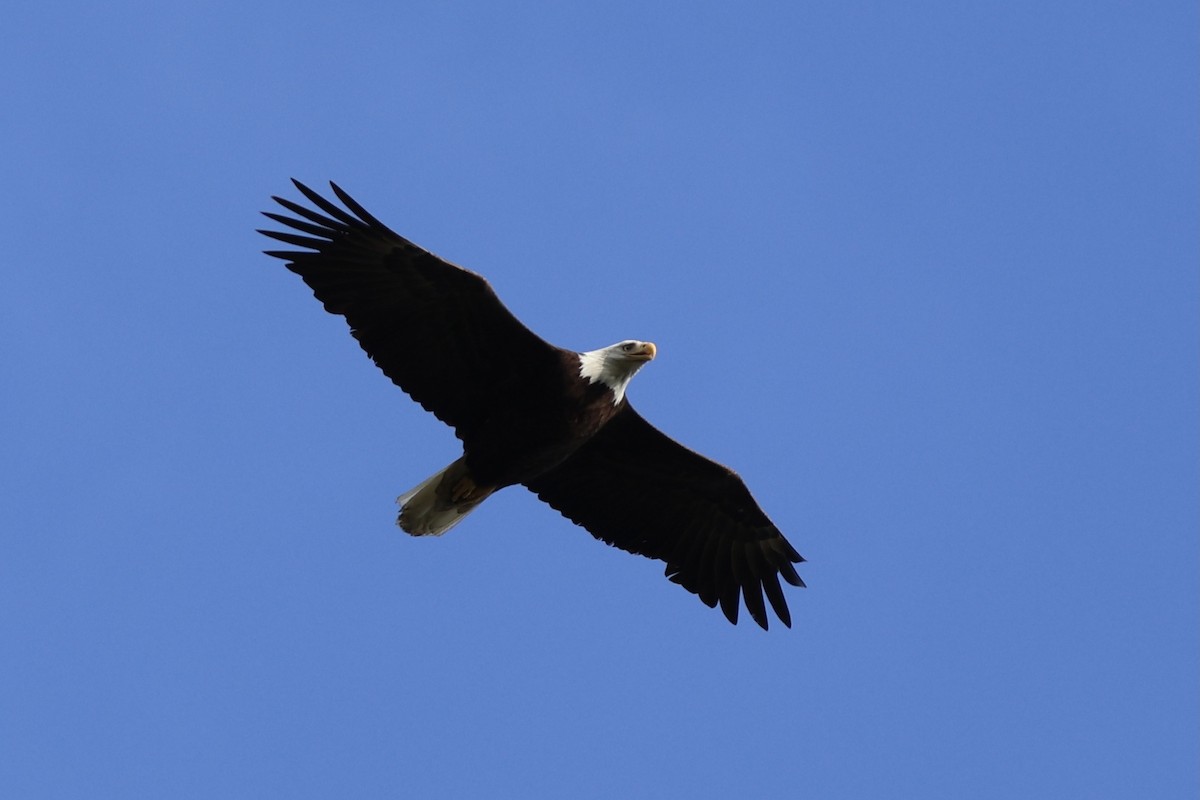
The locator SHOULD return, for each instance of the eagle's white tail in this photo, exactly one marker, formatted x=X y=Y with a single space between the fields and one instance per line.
x=440 y=502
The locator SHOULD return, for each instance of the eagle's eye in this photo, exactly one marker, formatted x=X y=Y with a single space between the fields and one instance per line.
x=627 y=347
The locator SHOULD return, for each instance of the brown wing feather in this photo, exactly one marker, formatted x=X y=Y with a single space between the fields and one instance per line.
x=437 y=330
x=634 y=487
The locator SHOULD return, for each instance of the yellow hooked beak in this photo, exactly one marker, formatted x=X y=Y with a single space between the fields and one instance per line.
x=646 y=353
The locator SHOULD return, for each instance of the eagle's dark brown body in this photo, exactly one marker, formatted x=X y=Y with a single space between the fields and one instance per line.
x=521 y=441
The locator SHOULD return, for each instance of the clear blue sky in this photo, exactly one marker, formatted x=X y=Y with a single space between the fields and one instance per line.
x=925 y=275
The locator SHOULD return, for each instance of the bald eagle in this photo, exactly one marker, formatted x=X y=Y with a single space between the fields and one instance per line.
x=555 y=421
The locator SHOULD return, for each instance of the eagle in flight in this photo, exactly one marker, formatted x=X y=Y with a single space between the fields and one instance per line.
x=553 y=420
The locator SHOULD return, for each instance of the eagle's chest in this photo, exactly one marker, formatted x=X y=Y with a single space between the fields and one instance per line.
x=529 y=440
x=590 y=406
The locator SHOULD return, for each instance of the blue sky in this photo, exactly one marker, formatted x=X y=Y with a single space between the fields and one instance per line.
x=925 y=275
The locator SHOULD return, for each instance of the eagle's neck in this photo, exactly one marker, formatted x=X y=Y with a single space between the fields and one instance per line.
x=602 y=366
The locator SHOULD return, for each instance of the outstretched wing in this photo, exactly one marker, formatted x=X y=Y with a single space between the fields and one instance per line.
x=437 y=330
x=636 y=488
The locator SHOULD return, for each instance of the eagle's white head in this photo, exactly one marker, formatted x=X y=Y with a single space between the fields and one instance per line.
x=616 y=364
